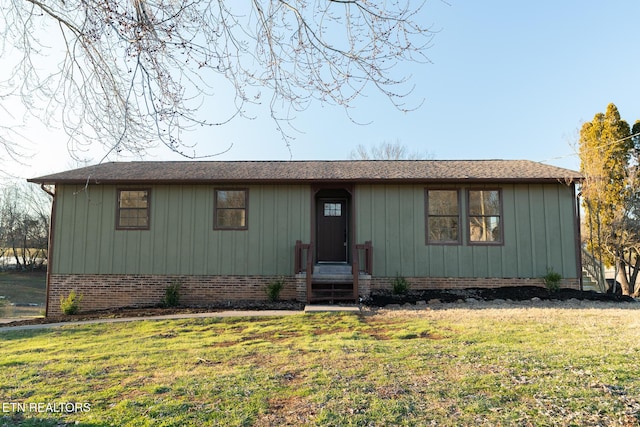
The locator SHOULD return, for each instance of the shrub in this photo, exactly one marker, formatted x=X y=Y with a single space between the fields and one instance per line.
x=172 y=295
x=400 y=286
x=273 y=289
x=70 y=304
x=552 y=280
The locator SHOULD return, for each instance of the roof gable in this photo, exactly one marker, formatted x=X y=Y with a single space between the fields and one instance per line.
x=199 y=172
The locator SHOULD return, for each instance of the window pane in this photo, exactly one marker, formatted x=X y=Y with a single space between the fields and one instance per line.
x=133 y=218
x=484 y=202
x=133 y=199
x=333 y=209
x=133 y=209
x=485 y=229
x=443 y=202
x=133 y=214
x=443 y=216
x=230 y=218
x=230 y=209
x=443 y=229
x=230 y=199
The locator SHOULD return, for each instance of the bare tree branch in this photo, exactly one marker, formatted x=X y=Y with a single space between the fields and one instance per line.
x=131 y=74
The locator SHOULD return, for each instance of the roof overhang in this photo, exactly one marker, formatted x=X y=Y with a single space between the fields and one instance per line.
x=314 y=172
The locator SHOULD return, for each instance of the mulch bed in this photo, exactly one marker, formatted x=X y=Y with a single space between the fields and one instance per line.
x=513 y=293
x=378 y=299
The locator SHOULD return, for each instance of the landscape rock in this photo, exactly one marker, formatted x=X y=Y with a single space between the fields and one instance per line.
x=513 y=294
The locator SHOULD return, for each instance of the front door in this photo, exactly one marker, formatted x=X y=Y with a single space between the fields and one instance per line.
x=331 y=235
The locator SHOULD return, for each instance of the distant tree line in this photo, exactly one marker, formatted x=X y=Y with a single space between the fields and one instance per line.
x=24 y=227
x=387 y=150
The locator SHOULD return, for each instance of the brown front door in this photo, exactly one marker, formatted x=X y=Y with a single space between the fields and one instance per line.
x=331 y=234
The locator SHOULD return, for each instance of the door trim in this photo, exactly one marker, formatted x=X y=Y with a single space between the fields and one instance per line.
x=319 y=191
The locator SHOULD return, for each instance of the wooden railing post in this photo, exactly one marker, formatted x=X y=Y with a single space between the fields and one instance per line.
x=304 y=264
x=367 y=261
x=309 y=270
x=297 y=257
x=368 y=257
x=358 y=264
x=355 y=269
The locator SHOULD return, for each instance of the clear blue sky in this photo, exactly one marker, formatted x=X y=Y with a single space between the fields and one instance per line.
x=512 y=80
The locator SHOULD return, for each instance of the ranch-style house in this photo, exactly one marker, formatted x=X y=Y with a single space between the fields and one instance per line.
x=123 y=232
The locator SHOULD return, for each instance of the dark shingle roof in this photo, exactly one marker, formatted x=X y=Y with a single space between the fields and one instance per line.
x=313 y=171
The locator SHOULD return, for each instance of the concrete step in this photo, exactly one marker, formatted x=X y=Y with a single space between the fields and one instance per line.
x=325 y=308
x=332 y=278
x=331 y=269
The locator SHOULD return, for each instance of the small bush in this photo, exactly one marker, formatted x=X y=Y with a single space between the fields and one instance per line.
x=552 y=280
x=172 y=295
x=400 y=286
x=70 y=304
x=274 y=288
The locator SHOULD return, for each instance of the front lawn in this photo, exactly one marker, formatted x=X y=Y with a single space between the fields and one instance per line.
x=507 y=365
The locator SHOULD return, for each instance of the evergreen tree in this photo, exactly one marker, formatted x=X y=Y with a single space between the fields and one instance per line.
x=610 y=193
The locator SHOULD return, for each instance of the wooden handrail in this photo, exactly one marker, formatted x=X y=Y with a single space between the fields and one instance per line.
x=355 y=265
x=297 y=257
x=302 y=264
x=594 y=268
x=309 y=270
x=355 y=270
x=367 y=267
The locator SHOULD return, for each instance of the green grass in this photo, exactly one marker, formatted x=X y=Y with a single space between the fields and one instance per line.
x=521 y=367
x=22 y=288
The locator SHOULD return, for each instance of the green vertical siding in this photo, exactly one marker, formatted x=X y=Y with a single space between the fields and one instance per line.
x=538 y=227
x=537 y=219
x=181 y=238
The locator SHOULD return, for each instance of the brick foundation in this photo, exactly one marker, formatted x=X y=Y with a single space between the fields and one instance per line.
x=100 y=292
x=106 y=291
x=444 y=283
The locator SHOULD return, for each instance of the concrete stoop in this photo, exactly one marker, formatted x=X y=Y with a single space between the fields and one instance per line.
x=319 y=308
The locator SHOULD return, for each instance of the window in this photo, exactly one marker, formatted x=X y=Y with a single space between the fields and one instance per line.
x=230 y=211
x=333 y=209
x=133 y=210
x=485 y=212
x=443 y=216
